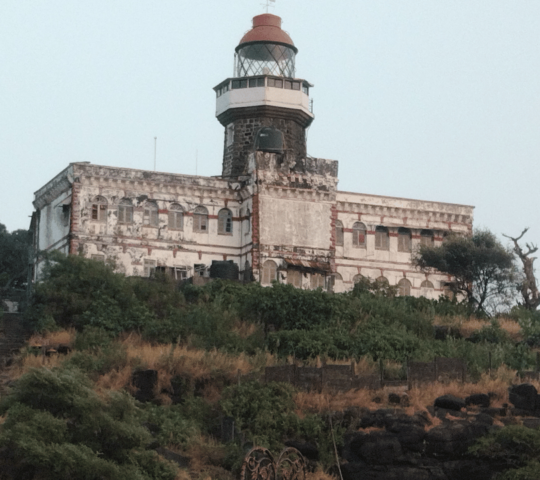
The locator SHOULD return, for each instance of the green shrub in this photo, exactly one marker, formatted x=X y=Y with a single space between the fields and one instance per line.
x=57 y=427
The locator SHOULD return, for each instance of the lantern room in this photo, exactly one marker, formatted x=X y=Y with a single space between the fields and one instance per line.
x=266 y=50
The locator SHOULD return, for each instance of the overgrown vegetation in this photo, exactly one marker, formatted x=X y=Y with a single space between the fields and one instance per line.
x=199 y=339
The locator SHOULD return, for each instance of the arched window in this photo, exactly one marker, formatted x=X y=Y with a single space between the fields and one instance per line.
x=404 y=240
x=426 y=284
x=225 y=221
x=176 y=217
x=151 y=214
x=339 y=233
x=359 y=235
x=357 y=278
x=99 y=209
x=404 y=287
x=269 y=272
x=338 y=277
x=125 y=211
x=384 y=280
x=426 y=237
x=200 y=219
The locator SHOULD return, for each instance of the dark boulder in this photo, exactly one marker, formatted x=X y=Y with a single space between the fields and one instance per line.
x=410 y=436
x=145 y=382
x=450 y=402
x=379 y=448
x=464 y=469
x=450 y=440
x=307 y=449
x=523 y=396
x=480 y=399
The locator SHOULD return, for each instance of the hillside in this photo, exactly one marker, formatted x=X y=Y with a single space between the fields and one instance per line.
x=120 y=374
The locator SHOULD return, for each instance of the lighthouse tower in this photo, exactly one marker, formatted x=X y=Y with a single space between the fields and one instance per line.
x=264 y=107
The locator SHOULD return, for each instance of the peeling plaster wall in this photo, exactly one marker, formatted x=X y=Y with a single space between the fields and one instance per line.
x=294 y=222
x=390 y=212
x=283 y=209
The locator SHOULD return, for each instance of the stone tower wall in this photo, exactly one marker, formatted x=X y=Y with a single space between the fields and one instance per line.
x=235 y=155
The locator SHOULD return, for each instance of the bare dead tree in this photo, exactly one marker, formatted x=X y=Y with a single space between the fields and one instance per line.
x=528 y=288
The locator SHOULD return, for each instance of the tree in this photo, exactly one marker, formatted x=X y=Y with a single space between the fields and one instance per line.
x=13 y=257
x=527 y=286
x=481 y=266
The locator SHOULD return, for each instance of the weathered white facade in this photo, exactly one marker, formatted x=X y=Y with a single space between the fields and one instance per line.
x=275 y=212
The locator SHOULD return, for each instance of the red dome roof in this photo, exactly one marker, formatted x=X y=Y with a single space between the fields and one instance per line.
x=267 y=28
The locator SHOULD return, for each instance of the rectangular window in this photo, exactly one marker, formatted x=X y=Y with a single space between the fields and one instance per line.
x=288 y=84
x=317 y=281
x=199 y=269
x=253 y=82
x=382 y=241
x=294 y=277
x=404 y=242
x=305 y=89
x=275 y=82
x=239 y=84
x=180 y=273
x=260 y=82
x=125 y=214
x=176 y=220
x=99 y=212
x=296 y=86
x=149 y=267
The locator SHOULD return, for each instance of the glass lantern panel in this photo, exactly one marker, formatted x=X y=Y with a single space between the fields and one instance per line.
x=266 y=59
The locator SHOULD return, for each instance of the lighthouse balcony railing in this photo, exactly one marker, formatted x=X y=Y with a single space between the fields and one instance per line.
x=263 y=81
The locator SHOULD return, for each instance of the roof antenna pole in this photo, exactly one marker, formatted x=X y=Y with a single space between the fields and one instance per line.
x=155 y=152
x=267 y=4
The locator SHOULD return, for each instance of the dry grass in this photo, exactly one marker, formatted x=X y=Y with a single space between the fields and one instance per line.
x=467 y=326
x=315 y=402
x=319 y=475
x=53 y=338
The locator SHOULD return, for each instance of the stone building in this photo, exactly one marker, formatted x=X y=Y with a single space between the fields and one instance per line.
x=275 y=212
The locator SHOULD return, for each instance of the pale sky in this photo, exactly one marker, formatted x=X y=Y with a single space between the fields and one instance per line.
x=425 y=99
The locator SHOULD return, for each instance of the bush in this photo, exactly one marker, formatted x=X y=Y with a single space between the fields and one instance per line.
x=57 y=427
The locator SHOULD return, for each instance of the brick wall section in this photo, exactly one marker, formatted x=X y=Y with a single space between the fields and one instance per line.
x=75 y=218
x=333 y=219
x=235 y=156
